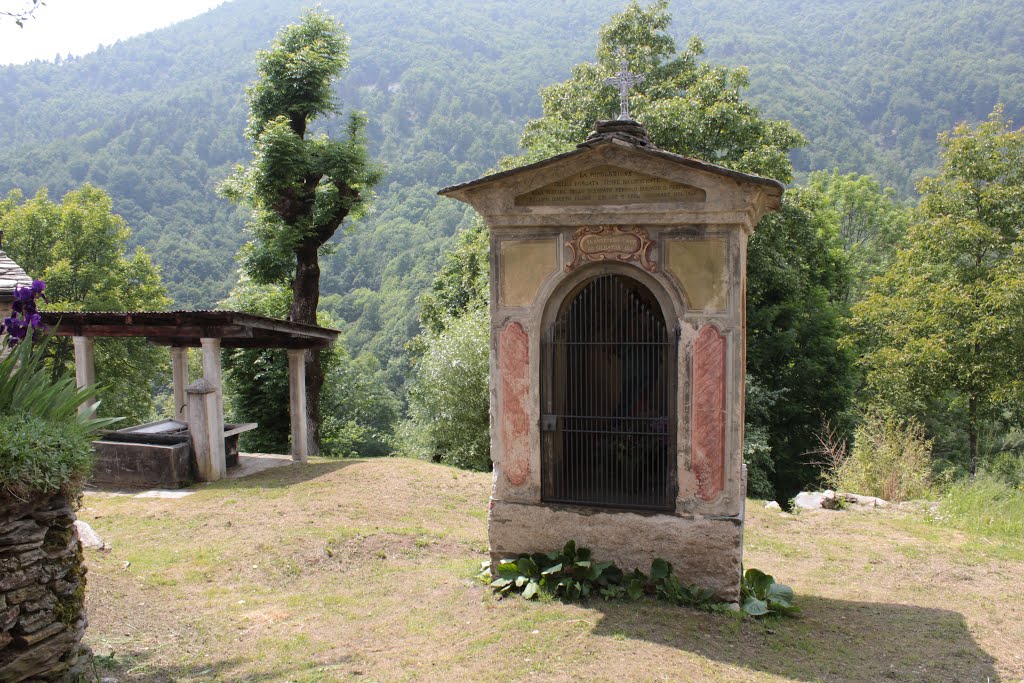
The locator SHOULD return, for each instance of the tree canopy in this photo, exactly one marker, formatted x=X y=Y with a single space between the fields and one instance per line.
x=80 y=249
x=156 y=120
x=687 y=106
x=942 y=326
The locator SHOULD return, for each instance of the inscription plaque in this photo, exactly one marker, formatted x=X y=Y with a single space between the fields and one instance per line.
x=610 y=185
x=610 y=243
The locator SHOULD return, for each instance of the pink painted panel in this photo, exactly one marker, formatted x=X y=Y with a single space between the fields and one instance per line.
x=708 y=421
x=514 y=374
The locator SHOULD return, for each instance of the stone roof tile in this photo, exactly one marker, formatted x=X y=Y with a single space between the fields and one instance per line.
x=11 y=275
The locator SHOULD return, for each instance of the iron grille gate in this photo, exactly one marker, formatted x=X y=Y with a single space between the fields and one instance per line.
x=608 y=424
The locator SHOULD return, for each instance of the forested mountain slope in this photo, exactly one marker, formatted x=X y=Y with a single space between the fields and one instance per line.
x=157 y=120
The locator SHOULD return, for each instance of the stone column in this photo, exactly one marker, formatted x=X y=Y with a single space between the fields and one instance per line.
x=215 y=415
x=297 y=403
x=207 y=434
x=179 y=372
x=85 y=370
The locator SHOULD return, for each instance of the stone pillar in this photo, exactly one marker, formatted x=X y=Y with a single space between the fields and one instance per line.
x=206 y=431
x=297 y=403
x=212 y=373
x=215 y=413
x=85 y=370
x=179 y=372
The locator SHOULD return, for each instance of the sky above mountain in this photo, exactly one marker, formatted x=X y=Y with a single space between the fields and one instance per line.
x=77 y=27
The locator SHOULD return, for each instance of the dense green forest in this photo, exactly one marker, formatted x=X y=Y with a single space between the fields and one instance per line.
x=158 y=120
x=838 y=89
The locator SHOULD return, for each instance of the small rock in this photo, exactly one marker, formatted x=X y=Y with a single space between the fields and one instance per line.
x=29 y=639
x=811 y=500
x=22 y=532
x=865 y=501
x=88 y=537
x=830 y=501
x=772 y=505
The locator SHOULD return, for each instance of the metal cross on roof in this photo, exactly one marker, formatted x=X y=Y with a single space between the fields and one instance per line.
x=624 y=80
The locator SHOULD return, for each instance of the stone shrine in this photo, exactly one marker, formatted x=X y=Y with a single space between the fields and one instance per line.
x=618 y=275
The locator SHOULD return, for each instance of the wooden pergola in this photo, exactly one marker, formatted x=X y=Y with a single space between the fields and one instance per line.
x=211 y=331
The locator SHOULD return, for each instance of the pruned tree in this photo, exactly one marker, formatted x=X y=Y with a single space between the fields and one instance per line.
x=301 y=187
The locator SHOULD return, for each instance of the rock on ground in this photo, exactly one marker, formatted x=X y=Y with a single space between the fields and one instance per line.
x=88 y=537
x=830 y=500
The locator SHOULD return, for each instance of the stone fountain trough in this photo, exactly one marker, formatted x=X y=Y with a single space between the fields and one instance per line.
x=157 y=454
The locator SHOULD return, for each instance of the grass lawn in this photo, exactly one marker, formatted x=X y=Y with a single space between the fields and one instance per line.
x=363 y=570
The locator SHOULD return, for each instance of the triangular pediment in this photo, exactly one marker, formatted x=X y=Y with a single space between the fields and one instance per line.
x=610 y=185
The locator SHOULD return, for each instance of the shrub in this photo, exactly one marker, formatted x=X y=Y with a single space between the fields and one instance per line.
x=44 y=442
x=41 y=456
x=449 y=404
x=757 y=450
x=1007 y=463
x=890 y=459
x=757 y=454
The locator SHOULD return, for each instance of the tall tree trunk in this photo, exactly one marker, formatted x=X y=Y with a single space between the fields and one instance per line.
x=972 y=432
x=305 y=299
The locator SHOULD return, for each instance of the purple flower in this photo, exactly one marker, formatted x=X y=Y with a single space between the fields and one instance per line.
x=24 y=315
x=24 y=294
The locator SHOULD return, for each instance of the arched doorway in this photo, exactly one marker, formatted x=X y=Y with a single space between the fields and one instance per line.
x=609 y=385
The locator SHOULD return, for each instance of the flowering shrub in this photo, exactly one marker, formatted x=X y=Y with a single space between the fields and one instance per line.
x=24 y=315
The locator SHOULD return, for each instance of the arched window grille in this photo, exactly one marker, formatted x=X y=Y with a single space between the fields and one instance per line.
x=608 y=399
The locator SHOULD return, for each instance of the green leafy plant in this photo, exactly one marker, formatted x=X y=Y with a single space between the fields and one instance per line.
x=891 y=458
x=44 y=442
x=572 y=574
x=26 y=387
x=761 y=595
x=668 y=587
x=449 y=419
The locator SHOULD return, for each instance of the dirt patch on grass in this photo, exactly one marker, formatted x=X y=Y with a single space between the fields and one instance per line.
x=362 y=570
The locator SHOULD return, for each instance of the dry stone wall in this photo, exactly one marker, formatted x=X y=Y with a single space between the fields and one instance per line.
x=42 y=592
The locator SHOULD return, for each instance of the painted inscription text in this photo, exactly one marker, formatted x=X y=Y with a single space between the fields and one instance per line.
x=609 y=185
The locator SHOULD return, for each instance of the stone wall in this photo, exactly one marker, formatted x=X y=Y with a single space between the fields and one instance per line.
x=42 y=592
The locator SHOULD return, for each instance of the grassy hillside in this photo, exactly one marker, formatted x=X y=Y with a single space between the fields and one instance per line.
x=362 y=570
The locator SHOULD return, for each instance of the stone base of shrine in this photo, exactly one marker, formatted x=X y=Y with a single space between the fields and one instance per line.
x=706 y=551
